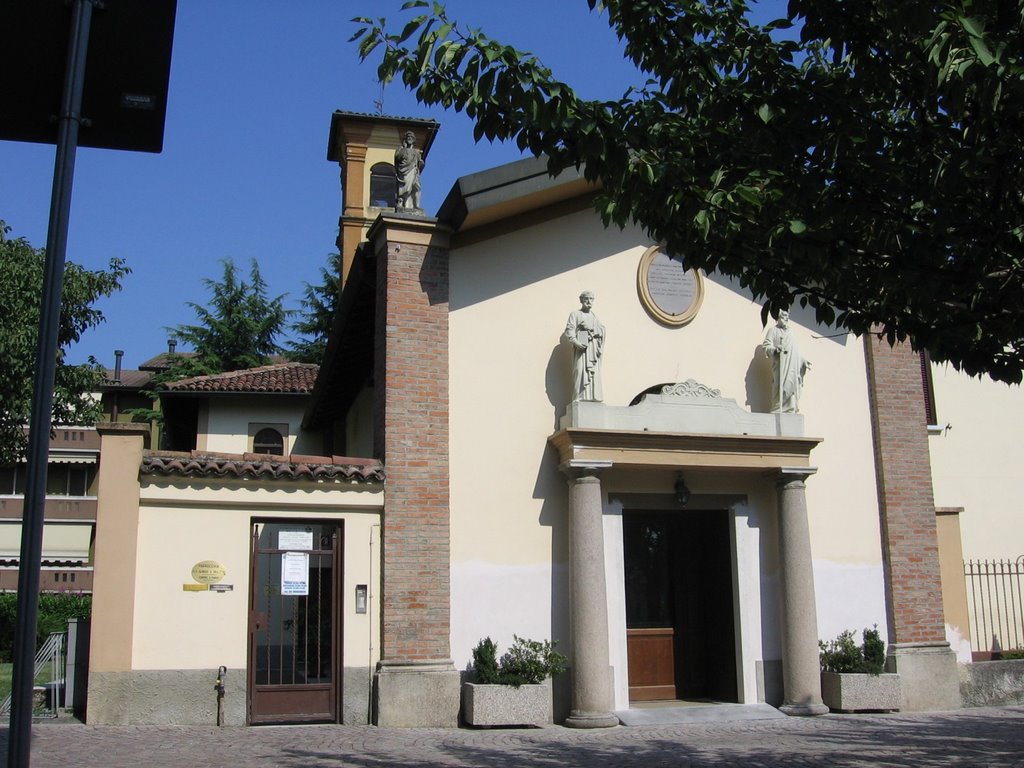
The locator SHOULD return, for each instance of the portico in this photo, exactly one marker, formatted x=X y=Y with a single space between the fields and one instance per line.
x=687 y=429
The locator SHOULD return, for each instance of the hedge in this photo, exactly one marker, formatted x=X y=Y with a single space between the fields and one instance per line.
x=54 y=611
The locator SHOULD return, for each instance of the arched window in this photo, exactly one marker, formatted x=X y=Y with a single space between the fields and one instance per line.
x=383 y=186
x=268 y=440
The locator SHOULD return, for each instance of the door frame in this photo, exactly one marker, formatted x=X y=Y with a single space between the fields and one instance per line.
x=337 y=623
x=745 y=523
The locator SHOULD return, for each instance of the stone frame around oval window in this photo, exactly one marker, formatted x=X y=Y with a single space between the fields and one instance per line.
x=650 y=303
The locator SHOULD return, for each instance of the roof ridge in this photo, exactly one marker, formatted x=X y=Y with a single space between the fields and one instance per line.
x=248 y=465
x=281 y=377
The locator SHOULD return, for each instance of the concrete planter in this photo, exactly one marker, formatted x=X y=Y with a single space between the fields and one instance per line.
x=992 y=683
x=506 y=704
x=855 y=692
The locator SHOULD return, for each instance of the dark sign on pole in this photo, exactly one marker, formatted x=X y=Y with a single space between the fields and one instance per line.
x=127 y=71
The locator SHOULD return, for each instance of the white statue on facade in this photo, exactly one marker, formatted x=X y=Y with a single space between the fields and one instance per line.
x=586 y=335
x=788 y=366
x=408 y=164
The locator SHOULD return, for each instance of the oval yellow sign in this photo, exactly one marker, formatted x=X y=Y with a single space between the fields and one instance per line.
x=208 y=572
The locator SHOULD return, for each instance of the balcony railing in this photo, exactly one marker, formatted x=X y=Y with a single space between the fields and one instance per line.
x=54 y=508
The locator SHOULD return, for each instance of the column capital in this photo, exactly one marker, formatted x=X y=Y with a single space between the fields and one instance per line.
x=786 y=475
x=577 y=469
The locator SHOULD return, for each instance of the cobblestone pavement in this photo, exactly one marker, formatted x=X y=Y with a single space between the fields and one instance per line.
x=987 y=738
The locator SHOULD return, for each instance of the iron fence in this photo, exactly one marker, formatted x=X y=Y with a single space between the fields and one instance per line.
x=995 y=603
x=48 y=682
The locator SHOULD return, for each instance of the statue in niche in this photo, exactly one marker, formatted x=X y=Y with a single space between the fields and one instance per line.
x=408 y=164
x=586 y=335
x=788 y=366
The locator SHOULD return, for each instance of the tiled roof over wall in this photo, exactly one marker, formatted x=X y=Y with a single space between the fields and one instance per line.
x=263 y=466
x=293 y=378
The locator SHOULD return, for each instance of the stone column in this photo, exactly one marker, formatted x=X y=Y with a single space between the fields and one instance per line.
x=588 y=599
x=801 y=673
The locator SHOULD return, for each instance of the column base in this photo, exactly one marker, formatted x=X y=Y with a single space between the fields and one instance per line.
x=424 y=695
x=591 y=720
x=803 y=710
x=929 y=675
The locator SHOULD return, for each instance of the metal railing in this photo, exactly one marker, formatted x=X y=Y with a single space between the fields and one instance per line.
x=49 y=674
x=995 y=603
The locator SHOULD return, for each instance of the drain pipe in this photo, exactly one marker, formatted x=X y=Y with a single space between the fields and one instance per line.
x=222 y=672
x=370 y=612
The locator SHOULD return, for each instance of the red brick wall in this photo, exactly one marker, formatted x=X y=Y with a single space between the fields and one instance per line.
x=411 y=422
x=903 y=469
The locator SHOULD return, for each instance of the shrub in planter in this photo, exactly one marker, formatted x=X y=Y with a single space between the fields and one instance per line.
x=527 y=662
x=852 y=679
x=515 y=690
x=843 y=654
x=485 y=662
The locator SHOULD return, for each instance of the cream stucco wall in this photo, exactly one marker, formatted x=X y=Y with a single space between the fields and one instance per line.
x=224 y=423
x=509 y=384
x=976 y=461
x=183 y=524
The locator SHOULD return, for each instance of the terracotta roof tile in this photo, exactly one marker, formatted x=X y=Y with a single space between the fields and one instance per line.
x=293 y=378
x=129 y=379
x=264 y=466
x=163 y=361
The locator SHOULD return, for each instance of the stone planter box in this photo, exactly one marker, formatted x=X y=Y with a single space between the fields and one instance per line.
x=854 y=692
x=506 y=704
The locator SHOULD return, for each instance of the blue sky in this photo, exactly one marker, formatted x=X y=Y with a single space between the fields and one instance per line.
x=244 y=172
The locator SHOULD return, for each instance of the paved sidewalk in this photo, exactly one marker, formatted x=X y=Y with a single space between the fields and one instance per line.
x=982 y=738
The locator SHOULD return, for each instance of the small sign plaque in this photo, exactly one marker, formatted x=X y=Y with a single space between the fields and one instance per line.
x=208 y=572
x=295 y=540
x=195 y=587
x=222 y=587
x=671 y=293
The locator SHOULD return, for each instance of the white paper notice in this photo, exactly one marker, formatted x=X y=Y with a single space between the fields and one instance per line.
x=295 y=540
x=294 y=573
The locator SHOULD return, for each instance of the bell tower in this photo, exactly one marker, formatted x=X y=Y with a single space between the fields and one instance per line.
x=364 y=147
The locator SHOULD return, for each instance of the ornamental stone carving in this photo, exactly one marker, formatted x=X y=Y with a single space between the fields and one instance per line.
x=690 y=388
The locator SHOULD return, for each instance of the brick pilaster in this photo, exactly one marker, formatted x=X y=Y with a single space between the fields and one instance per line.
x=903 y=470
x=411 y=423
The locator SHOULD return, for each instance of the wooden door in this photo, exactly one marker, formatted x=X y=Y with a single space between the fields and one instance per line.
x=651 y=585
x=295 y=622
x=680 y=631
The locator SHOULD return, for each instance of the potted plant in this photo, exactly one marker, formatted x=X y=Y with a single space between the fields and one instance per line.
x=852 y=679
x=515 y=690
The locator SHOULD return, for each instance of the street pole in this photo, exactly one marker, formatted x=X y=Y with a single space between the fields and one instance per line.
x=69 y=120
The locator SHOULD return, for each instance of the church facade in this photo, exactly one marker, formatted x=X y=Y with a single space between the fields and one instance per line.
x=569 y=436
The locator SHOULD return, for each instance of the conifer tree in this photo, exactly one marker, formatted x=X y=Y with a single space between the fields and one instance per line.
x=319 y=303
x=236 y=329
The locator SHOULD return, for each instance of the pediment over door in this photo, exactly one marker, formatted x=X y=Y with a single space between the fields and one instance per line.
x=688 y=425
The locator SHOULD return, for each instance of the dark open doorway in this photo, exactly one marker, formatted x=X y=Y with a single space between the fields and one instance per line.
x=680 y=625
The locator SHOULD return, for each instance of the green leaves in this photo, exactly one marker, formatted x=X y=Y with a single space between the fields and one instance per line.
x=21 y=287
x=869 y=170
